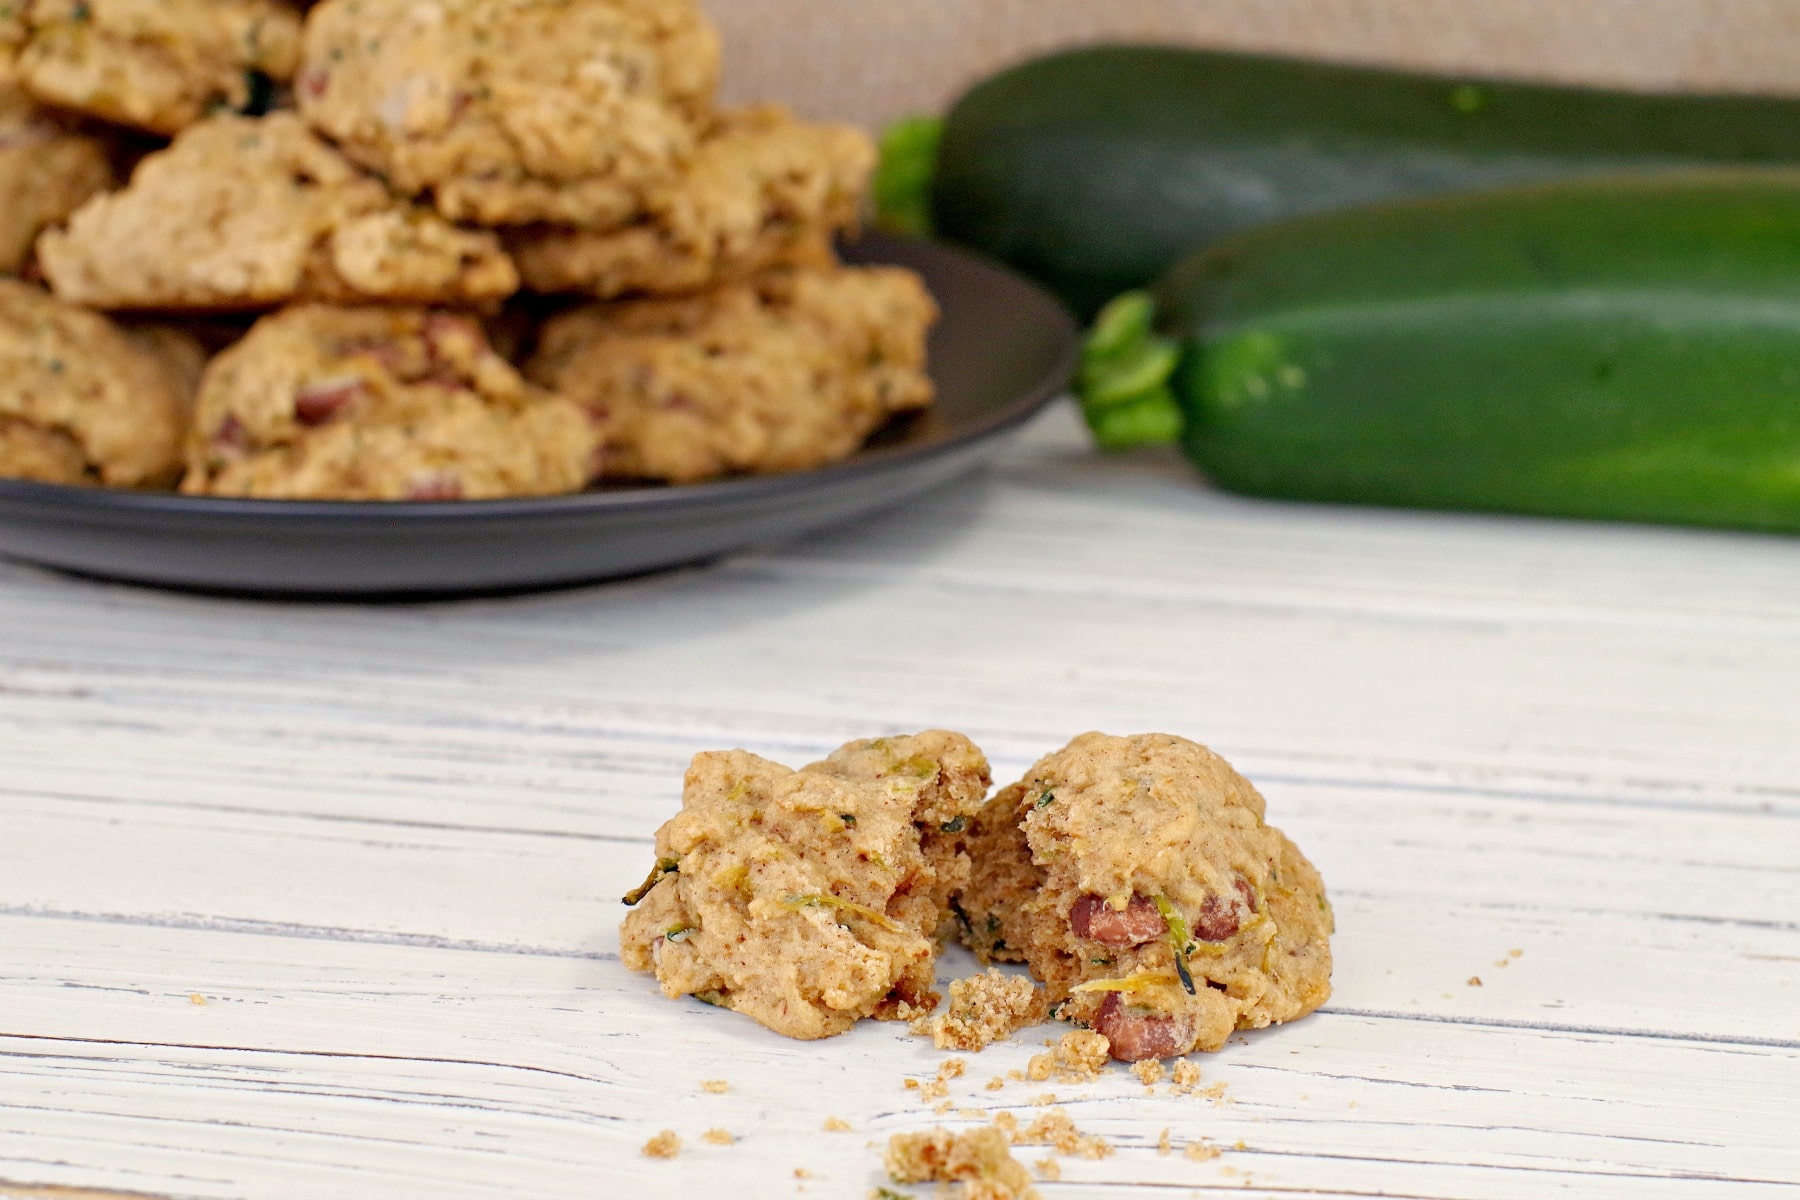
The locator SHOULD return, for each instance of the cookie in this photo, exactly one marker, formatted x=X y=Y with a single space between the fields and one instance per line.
x=46 y=172
x=513 y=111
x=252 y=212
x=1137 y=879
x=82 y=401
x=791 y=371
x=808 y=899
x=763 y=190
x=157 y=65
x=326 y=403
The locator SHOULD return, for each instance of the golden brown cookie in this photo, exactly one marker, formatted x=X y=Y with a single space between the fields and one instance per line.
x=158 y=65
x=513 y=111
x=252 y=212
x=793 y=370
x=1136 y=877
x=82 y=401
x=379 y=404
x=763 y=190
x=47 y=170
x=808 y=899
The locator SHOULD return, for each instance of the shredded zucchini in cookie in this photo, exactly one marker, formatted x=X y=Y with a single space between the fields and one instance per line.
x=664 y=866
x=1137 y=981
x=1180 y=943
x=825 y=900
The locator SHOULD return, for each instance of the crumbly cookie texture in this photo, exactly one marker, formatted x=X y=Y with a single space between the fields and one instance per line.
x=157 y=65
x=807 y=899
x=791 y=371
x=47 y=171
x=983 y=1009
x=379 y=404
x=246 y=213
x=81 y=400
x=980 y=1159
x=513 y=111
x=763 y=190
x=1137 y=878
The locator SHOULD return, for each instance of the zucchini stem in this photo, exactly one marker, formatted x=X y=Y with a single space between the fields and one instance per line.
x=1124 y=381
x=904 y=175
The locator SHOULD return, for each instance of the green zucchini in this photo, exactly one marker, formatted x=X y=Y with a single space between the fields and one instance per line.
x=1093 y=170
x=1622 y=348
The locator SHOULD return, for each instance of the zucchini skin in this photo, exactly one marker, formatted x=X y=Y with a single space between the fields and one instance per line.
x=1095 y=169
x=1623 y=348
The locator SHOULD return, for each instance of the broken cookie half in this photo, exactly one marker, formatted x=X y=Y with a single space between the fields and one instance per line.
x=808 y=899
x=1136 y=877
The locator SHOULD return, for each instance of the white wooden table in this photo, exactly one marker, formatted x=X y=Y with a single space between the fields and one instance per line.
x=307 y=901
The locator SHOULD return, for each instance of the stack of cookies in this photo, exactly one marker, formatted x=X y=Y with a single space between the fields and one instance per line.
x=426 y=250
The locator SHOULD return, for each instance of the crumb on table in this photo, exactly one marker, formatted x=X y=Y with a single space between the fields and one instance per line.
x=663 y=1145
x=1080 y=1056
x=836 y=1125
x=718 y=1137
x=983 y=1009
x=979 y=1159
x=1201 y=1151
x=717 y=1087
x=1149 y=1071
x=1054 y=1129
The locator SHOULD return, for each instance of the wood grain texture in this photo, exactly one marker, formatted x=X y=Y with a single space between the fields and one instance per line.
x=301 y=900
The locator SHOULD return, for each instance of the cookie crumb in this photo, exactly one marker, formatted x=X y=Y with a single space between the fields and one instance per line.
x=1515 y=953
x=1055 y=1129
x=1043 y=1098
x=979 y=1159
x=1201 y=1151
x=1474 y=981
x=1080 y=1056
x=1048 y=1169
x=942 y=1107
x=1149 y=1072
x=983 y=1009
x=951 y=1068
x=836 y=1125
x=717 y=1087
x=718 y=1137
x=995 y=1084
x=1187 y=1075
x=802 y=1173
x=1163 y=1144
x=196 y=998
x=663 y=1145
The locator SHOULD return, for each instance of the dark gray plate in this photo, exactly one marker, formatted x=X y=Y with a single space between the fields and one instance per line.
x=1003 y=348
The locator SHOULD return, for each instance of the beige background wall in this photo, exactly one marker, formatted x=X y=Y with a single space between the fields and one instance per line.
x=868 y=60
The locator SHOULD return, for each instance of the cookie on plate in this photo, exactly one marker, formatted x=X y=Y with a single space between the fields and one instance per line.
x=792 y=370
x=81 y=400
x=808 y=899
x=763 y=190
x=252 y=212
x=329 y=403
x=47 y=171
x=513 y=111
x=157 y=65
x=1137 y=878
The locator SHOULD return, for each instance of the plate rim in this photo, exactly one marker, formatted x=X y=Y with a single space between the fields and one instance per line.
x=75 y=501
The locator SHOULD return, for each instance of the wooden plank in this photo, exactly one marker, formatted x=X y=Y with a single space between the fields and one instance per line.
x=384 y=846
x=466 y=1071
